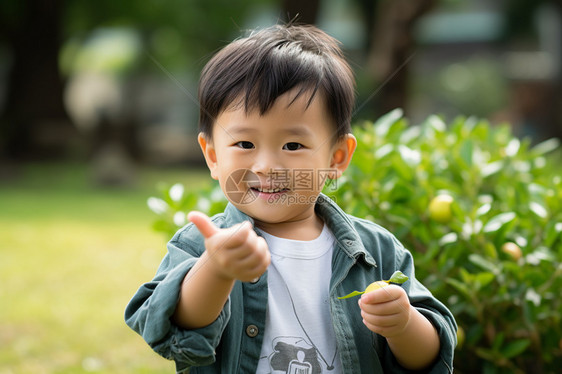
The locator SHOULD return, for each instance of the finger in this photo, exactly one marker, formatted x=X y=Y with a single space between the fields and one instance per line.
x=382 y=295
x=385 y=331
x=203 y=223
x=240 y=235
x=380 y=321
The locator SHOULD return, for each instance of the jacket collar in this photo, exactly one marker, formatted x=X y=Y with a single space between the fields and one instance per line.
x=341 y=225
x=335 y=218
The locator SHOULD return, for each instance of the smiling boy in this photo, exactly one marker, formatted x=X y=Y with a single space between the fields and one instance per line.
x=254 y=289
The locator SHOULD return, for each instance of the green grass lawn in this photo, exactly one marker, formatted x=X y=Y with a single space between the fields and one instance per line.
x=71 y=257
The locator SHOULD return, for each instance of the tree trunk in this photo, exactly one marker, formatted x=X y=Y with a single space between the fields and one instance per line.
x=34 y=123
x=301 y=11
x=392 y=49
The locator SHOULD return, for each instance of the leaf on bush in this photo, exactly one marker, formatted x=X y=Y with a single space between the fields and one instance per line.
x=491 y=168
x=176 y=192
x=536 y=189
x=449 y=238
x=402 y=168
x=180 y=219
x=498 y=341
x=545 y=147
x=533 y=297
x=436 y=123
x=459 y=286
x=203 y=204
x=157 y=205
x=383 y=151
x=483 y=263
x=384 y=123
x=484 y=208
x=410 y=156
x=540 y=254
x=552 y=233
x=498 y=221
x=512 y=147
x=515 y=348
x=411 y=133
x=466 y=152
x=538 y=209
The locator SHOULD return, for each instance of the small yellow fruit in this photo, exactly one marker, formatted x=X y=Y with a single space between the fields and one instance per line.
x=375 y=286
x=440 y=208
x=512 y=250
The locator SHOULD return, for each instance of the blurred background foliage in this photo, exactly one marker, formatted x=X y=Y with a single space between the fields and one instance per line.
x=98 y=104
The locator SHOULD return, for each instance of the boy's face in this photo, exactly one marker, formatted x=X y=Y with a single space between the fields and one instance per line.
x=273 y=167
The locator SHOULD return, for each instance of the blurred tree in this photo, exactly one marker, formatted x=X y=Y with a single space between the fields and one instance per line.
x=34 y=30
x=34 y=121
x=390 y=45
x=304 y=11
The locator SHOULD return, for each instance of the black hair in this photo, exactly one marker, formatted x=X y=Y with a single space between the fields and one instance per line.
x=255 y=70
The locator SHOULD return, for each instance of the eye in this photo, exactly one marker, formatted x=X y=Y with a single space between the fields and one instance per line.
x=292 y=146
x=245 y=145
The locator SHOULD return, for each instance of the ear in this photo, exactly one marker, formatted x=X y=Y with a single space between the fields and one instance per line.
x=209 y=153
x=341 y=155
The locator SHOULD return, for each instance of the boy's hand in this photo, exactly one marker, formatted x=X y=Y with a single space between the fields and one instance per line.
x=386 y=311
x=234 y=253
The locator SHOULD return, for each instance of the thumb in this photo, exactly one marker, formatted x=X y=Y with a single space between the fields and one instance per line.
x=203 y=223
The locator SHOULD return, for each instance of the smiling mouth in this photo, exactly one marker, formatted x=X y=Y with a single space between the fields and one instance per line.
x=269 y=190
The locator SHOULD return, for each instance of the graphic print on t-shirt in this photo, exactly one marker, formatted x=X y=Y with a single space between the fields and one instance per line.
x=293 y=355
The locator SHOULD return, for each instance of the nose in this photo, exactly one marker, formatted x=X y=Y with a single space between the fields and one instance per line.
x=266 y=163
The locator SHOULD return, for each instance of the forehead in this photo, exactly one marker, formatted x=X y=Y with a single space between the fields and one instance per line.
x=293 y=113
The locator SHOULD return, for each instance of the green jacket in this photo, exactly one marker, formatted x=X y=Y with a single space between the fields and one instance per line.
x=364 y=252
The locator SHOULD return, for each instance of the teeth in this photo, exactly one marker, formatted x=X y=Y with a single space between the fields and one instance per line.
x=268 y=190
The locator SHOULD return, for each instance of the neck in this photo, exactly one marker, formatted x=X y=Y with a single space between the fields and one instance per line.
x=308 y=228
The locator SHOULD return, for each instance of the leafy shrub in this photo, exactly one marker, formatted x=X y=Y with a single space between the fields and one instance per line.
x=505 y=297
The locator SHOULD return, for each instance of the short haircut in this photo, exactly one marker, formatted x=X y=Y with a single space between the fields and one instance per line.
x=255 y=70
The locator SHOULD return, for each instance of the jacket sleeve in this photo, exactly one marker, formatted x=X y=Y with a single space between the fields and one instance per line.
x=150 y=310
x=435 y=311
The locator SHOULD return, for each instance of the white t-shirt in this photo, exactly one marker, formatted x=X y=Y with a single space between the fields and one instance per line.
x=299 y=336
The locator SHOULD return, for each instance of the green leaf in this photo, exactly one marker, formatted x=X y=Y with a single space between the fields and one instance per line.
x=398 y=277
x=512 y=147
x=538 y=209
x=545 y=147
x=436 y=123
x=459 y=286
x=498 y=341
x=384 y=123
x=515 y=348
x=483 y=263
x=498 y=221
x=354 y=293
x=466 y=152
x=449 y=238
x=491 y=168
x=483 y=279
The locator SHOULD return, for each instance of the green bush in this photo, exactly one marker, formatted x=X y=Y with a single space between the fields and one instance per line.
x=493 y=253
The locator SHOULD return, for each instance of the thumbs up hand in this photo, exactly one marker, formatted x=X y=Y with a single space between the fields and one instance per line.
x=236 y=252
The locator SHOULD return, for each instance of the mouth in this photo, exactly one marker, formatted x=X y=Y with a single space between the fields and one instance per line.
x=269 y=190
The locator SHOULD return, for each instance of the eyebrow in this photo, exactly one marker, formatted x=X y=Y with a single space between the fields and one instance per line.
x=297 y=131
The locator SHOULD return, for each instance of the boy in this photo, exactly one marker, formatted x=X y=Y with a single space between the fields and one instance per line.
x=254 y=289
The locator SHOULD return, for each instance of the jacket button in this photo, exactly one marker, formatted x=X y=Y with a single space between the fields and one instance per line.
x=252 y=331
